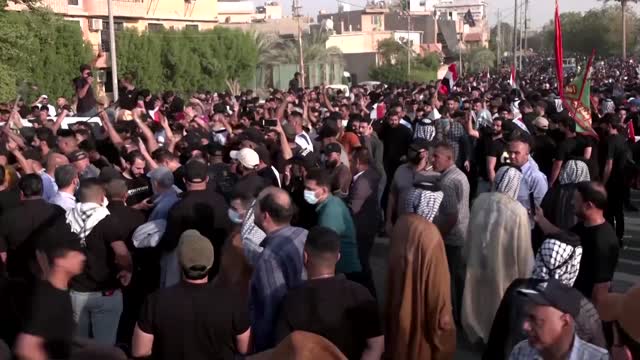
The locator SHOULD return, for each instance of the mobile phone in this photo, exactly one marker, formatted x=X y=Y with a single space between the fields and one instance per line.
x=270 y=123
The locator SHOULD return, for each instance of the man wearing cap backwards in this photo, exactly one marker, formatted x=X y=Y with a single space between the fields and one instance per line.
x=550 y=326
x=338 y=172
x=624 y=311
x=49 y=331
x=192 y=320
x=200 y=208
x=246 y=166
x=416 y=170
x=80 y=159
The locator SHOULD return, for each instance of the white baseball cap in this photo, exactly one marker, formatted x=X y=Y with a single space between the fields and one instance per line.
x=247 y=157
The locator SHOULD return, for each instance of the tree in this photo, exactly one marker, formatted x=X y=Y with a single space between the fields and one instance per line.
x=480 y=59
x=623 y=5
x=41 y=50
x=393 y=64
x=506 y=37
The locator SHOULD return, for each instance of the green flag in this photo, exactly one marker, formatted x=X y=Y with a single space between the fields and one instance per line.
x=577 y=100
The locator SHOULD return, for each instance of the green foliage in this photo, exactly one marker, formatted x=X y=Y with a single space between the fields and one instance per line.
x=187 y=60
x=597 y=28
x=393 y=64
x=40 y=49
x=480 y=59
x=273 y=50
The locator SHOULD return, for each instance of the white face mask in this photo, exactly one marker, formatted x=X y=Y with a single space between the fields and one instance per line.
x=234 y=216
x=344 y=123
x=310 y=197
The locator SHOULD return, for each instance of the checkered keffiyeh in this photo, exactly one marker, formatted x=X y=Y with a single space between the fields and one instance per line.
x=559 y=260
x=251 y=236
x=84 y=217
x=508 y=181
x=573 y=172
x=424 y=202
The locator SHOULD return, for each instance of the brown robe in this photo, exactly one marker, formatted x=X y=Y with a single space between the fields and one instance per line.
x=419 y=318
x=235 y=270
x=301 y=345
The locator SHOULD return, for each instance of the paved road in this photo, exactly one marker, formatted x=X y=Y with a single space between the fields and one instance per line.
x=627 y=273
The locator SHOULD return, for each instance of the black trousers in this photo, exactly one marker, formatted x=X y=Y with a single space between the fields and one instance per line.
x=365 y=244
x=614 y=212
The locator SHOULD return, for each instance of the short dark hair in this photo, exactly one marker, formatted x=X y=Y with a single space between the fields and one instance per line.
x=280 y=212
x=594 y=193
x=89 y=189
x=320 y=176
x=64 y=175
x=30 y=185
x=568 y=122
x=116 y=189
x=133 y=156
x=362 y=155
x=45 y=134
x=162 y=155
x=322 y=241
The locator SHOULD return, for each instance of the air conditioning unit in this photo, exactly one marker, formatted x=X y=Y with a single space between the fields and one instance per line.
x=95 y=24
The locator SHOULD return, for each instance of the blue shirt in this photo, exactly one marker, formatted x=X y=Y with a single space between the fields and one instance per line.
x=162 y=204
x=580 y=350
x=533 y=181
x=49 y=186
x=279 y=268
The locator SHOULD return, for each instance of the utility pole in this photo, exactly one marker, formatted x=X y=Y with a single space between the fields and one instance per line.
x=498 y=41
x=515 y=34
x=296 y=13
x=526 y=24
x=112 y=51
x=521 y=24
x=408 y=45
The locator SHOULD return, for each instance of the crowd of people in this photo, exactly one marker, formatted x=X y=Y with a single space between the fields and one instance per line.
x=234 y=226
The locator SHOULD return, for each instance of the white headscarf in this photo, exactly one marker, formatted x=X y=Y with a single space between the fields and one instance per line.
x=573 y=172
x=508 y=180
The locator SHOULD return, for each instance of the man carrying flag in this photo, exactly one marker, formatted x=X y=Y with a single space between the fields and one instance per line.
x=577 y=100
x=449 y=80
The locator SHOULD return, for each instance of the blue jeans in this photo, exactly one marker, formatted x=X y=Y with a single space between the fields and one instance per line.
x=98 y=315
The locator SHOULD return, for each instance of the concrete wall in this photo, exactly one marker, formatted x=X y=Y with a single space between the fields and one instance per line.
x=358 y=42
x=359 y=64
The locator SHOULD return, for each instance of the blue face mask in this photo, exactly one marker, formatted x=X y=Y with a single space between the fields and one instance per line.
x=310 y=197
x=234 y=216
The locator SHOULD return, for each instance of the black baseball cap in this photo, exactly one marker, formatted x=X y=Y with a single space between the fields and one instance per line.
x=77 y=155
x=332 y=148
x=555 y=294
x=195 y=171
x=419 y=144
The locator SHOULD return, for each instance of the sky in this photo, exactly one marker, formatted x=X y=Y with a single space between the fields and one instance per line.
x=541 y=11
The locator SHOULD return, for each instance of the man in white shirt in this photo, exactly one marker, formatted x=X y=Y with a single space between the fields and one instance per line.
x=68 y=181
x=302 y=138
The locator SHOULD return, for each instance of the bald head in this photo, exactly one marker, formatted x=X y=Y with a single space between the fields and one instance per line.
x=54 y=160
x=277 y=204
x=91 y=191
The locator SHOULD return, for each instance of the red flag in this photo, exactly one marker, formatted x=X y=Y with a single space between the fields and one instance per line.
x=449 y=80
x=512 y=79
x=559 y=53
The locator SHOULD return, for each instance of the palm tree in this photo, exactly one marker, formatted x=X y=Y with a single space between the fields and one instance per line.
x=623 y=4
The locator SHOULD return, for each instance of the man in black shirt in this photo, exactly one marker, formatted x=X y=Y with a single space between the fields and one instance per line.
x=20 y=228
x=338 y=309
x=497 y=151
x=50 y=327
x=84 y=92
x=193 y=319
x=571 y=147
x=613 y=173
x=9 y=198
x=599 y=245
x=128 y=99
x=137 y=182
x=95 y=294
x=201 y=209
x=544 y=149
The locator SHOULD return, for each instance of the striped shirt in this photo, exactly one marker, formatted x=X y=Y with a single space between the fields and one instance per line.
x=455 y=187
x=279 y=268
x=581 y=350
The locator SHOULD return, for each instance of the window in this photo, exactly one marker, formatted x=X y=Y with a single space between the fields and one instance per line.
x=193 y=27
x=376 y=20
x=73 y=2
x=104 y=34
x=154 y=27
